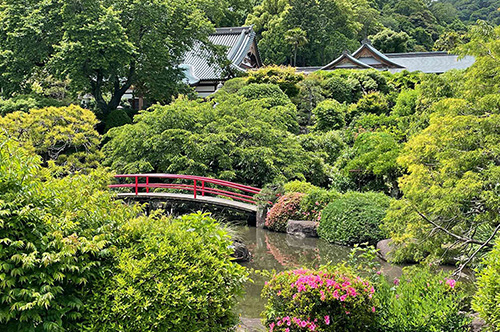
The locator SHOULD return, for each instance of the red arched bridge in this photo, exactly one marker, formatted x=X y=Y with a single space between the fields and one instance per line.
x=202 y=190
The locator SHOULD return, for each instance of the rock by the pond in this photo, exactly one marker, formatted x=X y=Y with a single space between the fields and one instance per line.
x=303 y=228
x=384 y=248
x=241 y=252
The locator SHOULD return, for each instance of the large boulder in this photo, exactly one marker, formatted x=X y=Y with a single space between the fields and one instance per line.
x=384 y=248
x=302 y=228
x=241 y=252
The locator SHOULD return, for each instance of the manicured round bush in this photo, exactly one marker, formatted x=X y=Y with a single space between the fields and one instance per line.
x=337 y=88
x=117 y=118
x=487 y=298
x=297 y=186
x=287 y=207
x=270 y=92
x=354 y=218
x=329 y=115
x=322 y=300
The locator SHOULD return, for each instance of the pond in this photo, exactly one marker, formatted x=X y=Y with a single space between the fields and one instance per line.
x=279 y=252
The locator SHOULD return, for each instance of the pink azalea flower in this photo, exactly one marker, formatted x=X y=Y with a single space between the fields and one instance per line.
x=451 y=283
x=327 y=320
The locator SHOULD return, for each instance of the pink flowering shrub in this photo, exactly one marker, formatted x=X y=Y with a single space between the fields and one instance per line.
x=287 y=207
x=323 y=300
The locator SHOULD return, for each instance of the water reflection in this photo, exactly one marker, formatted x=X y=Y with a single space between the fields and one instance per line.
x=279 y=252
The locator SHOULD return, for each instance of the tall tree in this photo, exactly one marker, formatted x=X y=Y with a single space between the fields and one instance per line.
x=296 y=38
x=103 y=46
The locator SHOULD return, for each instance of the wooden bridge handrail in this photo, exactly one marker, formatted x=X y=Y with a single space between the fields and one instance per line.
x=247 y=194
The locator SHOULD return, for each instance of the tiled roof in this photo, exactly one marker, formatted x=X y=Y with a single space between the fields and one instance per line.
x=430 y=62
x=366 y=44
x=346 y=56
x=238 y=40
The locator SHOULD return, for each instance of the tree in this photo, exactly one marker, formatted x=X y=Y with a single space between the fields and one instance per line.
x=330 y=26
x=389 y=41
x=244 y=137
x=63 y=135
x=103 y=47
x=296 y=38
x=450 y=205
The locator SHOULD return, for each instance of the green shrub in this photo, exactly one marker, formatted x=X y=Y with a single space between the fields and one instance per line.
x=328 y=299
x=55 y=235
x=116 y=118
x=287 y=207
x=315 y=201
x=24 y=103
x=354 y=218
x=269 y=92
x=406 y=103
x=171 y=275
x=421 y=300
x=234 y=85
x=338 y=89
x=64 y=135
x=285 y=77
x=487 y=299
x=374 y=102
x=297 y=186
x=329 y=115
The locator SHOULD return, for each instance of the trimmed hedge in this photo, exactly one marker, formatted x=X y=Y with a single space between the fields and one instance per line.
x=354 y=218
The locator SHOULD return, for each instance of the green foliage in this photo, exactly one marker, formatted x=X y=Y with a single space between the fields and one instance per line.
x=487 y=299
x=371 y=162
x=171 y=275
x=329 y=115
x=268 y=92
x=297 y=186
x=229 y=137
x=330 y=144
x=55 y=235
x=389 y=41
x=272 y=19
x=285 y=77
x=374 y=103
x=406 y=103
x=101 y=46
x=339 y=89
x=25 y=103
x=286 y=208
x=315 y=201
x=116 y=118
x=328 y=299
x=234 y=85
x=421 y=300
x=354 y=218
x=63 y=135
x=451 y=181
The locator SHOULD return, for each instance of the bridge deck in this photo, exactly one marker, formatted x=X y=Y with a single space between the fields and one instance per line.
x=200 y=199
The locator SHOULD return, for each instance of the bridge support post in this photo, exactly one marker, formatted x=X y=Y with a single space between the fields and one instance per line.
x=261 y=216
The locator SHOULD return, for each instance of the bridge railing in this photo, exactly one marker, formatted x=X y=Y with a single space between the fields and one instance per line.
x=198 y=187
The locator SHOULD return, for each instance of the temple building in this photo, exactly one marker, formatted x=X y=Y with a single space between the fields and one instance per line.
x=368 y=57
x=242 y=54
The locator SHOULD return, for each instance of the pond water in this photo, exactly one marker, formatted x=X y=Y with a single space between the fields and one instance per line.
x=277 y=251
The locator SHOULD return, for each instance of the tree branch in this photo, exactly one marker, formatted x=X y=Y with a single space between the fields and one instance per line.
x=458 y=237
x=458 y=271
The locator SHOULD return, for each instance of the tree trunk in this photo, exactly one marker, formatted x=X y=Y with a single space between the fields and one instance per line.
x=118 y=92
